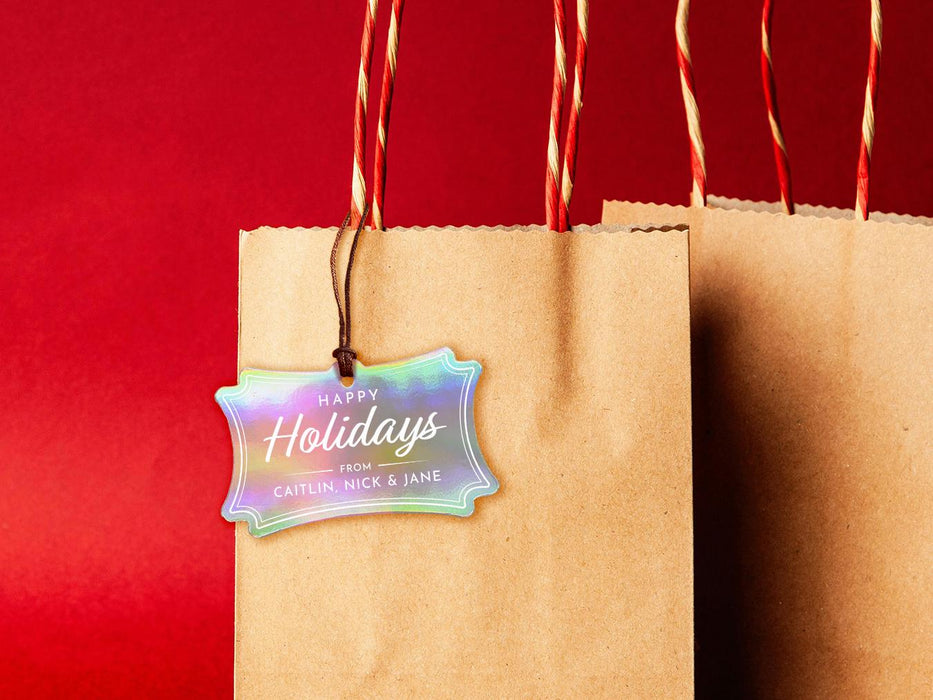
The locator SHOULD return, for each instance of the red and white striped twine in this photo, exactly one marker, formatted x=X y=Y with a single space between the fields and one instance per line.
x=697 y=149
x=551 y=195
x=770 y=88
x=385 y=106
x=868 y=116
x=573 y=127
x=358 y=186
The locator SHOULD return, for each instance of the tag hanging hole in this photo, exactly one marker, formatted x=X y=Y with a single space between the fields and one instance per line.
x=346 y=381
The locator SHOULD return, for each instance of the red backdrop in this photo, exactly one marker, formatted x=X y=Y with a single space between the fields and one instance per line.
x=138 y=138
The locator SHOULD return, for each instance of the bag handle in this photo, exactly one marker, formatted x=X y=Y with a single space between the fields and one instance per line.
x=557 y=207
x=358 y=205
x=697 y=149
x=774 y=117
x=868 y=114
x=385 y=107
x=685 y=64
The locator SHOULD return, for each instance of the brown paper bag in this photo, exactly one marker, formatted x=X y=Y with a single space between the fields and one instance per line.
x=575 y=578
x=813 y=426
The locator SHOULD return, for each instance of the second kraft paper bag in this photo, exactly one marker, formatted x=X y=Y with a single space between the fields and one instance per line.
x=812 y=341
x=576 y=577
x=812 y=349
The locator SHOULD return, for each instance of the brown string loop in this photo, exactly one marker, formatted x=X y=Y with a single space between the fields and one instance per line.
x=344 y=353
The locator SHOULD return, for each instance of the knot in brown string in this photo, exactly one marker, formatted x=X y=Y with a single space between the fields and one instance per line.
x=344 y=353
x=345 y=358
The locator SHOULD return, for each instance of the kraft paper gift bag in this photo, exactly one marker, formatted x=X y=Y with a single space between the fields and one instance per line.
x=813 y=425
x=812 y=348
x=575 y=578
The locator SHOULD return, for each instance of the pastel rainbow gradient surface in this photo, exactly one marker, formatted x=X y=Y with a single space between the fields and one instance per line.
x=279 y=488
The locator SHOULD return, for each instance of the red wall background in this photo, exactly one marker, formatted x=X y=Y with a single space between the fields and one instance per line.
x=138 y=138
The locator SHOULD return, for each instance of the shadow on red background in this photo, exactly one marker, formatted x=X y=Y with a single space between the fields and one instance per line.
x=137 y=141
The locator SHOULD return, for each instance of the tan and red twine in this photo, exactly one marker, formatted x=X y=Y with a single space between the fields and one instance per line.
x=385 y=107
x=551 y=193
x=559 y=184
x=573 y=126
x=358 y=204
x=697 y=150
x=774 y=118
x=868 y=115
x=358 y=188
x=359 y=208
x=684 y=62
x=558 y=192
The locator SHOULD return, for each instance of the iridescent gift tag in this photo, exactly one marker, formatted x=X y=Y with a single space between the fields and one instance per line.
x=401 y=438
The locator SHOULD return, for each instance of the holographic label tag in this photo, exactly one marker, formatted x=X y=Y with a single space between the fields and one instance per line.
x=400 y=439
